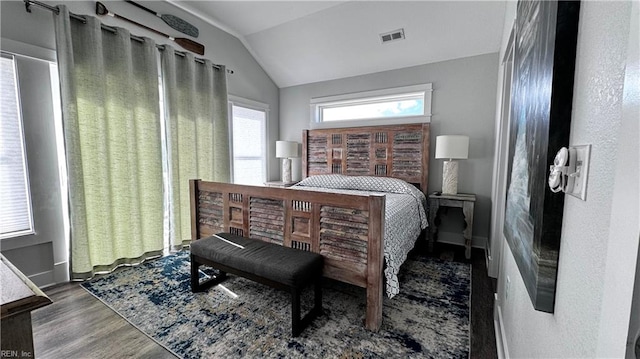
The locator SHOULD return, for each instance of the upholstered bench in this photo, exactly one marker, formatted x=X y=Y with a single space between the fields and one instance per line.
x=267 y=263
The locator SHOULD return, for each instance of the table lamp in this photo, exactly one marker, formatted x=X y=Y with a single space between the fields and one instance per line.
x=286 y=150
x=451 y=147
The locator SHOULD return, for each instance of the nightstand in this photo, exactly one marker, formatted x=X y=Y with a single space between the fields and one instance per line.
x=460 y=200
x=279 y=184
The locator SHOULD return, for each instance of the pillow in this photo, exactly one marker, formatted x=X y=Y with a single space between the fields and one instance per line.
x=363 y=183
x=326 y=181
x=382 y=184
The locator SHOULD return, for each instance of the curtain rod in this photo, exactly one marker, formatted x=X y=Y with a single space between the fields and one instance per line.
x=28 y=3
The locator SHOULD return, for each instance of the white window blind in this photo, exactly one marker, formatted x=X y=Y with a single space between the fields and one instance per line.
x=249 y=145
x=15 y=202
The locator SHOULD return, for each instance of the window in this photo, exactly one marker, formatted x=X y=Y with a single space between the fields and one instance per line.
x=397 y=105
x=249 y=141
x=15 y=209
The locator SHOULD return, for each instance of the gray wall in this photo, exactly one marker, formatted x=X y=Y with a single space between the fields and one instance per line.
x=36 y=28
x=463 y=102
x=632 y=112
x=599 y=248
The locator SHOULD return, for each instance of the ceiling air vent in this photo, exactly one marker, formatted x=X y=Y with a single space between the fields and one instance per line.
x=392 y=36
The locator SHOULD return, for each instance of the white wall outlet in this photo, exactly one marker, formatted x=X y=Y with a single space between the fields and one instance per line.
x=583 y=153
x=507 y=287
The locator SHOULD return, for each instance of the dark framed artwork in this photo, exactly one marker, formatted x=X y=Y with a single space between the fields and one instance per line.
x=540 y=121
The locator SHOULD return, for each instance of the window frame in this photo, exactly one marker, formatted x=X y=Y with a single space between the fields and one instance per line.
x=317 y=104
x=25 y=163
x=252 y=105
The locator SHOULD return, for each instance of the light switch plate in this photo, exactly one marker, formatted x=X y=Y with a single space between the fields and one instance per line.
x=583 y=153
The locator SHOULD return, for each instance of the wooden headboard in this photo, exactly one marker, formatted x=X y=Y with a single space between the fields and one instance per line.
x=399 y=151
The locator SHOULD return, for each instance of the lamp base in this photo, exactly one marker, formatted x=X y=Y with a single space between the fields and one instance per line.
x=286 y=170
x=450 y=177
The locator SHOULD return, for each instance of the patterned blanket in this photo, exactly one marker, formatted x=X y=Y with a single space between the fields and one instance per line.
x=405 y=214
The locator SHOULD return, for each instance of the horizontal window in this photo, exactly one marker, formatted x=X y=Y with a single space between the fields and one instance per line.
x=386 y=106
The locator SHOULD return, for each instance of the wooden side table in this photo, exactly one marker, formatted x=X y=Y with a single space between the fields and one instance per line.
x=279 y=184
x=460 y=200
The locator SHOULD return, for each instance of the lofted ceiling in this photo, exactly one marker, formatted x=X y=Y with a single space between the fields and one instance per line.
x=300 y=42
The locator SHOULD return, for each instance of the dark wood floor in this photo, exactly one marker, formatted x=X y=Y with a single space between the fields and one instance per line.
x=77 y=325
x=483 y=338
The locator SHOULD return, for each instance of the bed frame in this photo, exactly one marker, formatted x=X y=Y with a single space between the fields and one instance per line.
x=346 y=229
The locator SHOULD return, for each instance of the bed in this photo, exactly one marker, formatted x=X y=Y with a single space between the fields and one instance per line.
x=347 y=228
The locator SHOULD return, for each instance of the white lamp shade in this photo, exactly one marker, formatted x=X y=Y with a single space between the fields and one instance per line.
x=452 y=147
x=286 y=149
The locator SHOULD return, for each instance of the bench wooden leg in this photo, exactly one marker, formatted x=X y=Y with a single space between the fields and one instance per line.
x=298 y=324
x=196 y=285
x=295 y=312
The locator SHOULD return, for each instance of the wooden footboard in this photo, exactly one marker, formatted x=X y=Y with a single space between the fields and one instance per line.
x=346 y=229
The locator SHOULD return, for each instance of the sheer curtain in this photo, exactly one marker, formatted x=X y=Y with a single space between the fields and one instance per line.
x=195 y=99
x=111 y=119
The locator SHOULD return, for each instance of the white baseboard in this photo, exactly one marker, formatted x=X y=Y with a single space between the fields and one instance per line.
x=42 y=280
x=59 y=274
x=487 y=255
x=492 y=266
x=498 y=324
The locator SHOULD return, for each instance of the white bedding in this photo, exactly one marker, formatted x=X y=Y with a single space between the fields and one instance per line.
x=405 y=214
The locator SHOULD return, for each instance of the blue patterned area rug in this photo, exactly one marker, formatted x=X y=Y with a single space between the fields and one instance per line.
x=429 y=318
